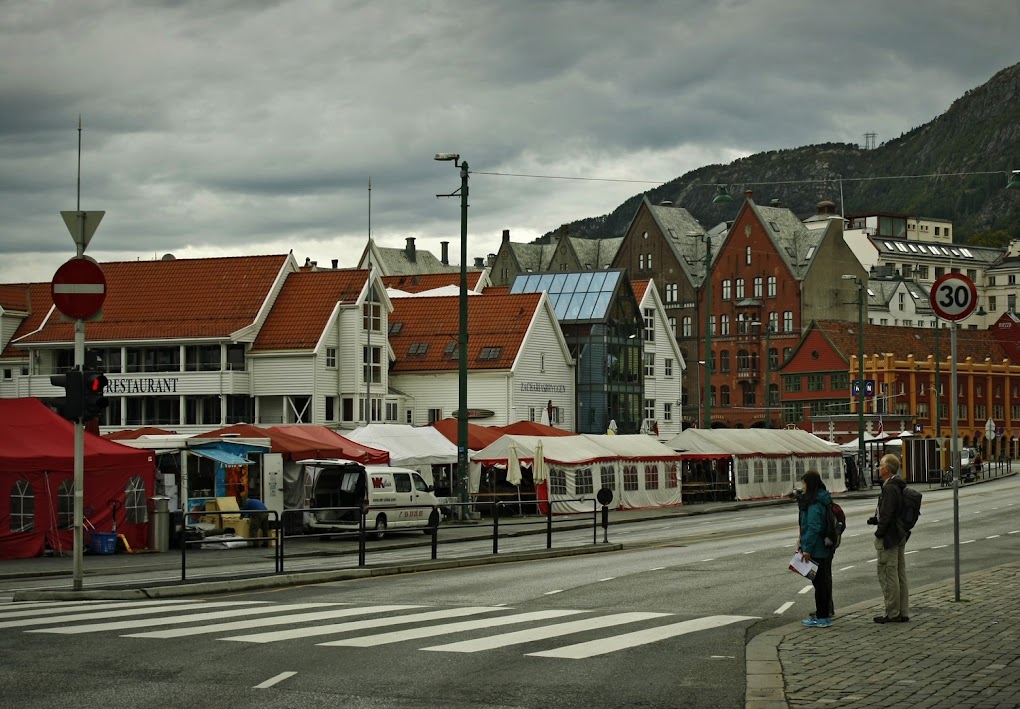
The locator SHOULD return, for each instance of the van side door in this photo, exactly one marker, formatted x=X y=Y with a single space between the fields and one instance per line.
x=405 y=499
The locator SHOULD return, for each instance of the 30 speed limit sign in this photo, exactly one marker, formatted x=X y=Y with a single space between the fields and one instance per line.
x=953 y=297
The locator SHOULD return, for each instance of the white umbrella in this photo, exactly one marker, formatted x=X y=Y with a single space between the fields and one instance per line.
x=513 y=470
x=538 y=467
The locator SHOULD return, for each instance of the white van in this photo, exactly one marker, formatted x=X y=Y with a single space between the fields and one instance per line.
x=397 y=498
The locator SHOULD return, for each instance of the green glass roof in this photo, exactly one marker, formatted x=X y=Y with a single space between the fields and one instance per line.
x=575 y=296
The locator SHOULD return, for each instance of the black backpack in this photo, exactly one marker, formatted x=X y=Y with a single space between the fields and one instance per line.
x=835 y=523
x=910 y=510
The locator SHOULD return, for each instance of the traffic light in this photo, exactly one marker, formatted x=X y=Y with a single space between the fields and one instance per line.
x=72 y=404
x=95 y=401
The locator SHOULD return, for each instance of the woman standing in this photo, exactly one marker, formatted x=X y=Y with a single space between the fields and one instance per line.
x=813 y=504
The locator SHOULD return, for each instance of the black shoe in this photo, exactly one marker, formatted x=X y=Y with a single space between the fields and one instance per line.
x=883 y=619
x=901 y=619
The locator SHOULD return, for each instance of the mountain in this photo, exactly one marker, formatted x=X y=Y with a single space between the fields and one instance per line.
x=979 y=133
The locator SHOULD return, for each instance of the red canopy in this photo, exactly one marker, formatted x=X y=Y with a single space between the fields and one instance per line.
x=532 y=428
x=478 y=436
x=134 y=433
x=37 y=475
x=320 y=442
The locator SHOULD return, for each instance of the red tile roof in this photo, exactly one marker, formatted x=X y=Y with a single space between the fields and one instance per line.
x=639 y=287
x=427 y=281
x=301 y=312
x=180 y=298
x=494 y=321
x=14 y=297
x=903 y=341
x=37 y=302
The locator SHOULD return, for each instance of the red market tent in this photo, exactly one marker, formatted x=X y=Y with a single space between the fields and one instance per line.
x=478 y=436
x=135 y=433
x=37 y=483
x=532 y=428
x=307 y=441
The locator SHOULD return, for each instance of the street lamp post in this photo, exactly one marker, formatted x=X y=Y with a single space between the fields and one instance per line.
x=708 y=330
x=860 y=369
x=462 y=405
x=768 y=365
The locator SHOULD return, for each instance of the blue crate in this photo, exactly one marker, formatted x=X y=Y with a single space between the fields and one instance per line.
x=104 y=543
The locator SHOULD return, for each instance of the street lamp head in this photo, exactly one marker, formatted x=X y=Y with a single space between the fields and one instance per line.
x=722 y=195
x=848 y=277
x=1014 y=183
x=447 y=157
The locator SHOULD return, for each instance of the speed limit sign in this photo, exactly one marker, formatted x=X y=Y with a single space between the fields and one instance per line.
x=953 y=297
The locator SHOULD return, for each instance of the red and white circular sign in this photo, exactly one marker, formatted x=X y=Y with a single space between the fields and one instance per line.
x=953 y=297
x=78 y=288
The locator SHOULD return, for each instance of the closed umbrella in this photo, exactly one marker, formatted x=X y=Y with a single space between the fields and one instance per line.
x=538 y=469
x=513 y=471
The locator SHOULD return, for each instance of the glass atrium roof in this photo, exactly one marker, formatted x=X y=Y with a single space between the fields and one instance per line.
x=575 y=296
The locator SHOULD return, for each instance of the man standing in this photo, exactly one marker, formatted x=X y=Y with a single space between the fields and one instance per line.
x=890 y=542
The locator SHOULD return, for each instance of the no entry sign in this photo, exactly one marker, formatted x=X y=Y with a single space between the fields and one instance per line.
x=79 y=288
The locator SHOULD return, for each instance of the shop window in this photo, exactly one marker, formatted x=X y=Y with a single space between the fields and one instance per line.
x=22 y=507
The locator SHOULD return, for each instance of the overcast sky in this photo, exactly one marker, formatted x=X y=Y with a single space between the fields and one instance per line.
x=232 y=128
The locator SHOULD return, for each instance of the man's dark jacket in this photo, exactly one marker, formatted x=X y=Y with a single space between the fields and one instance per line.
x=890 y=502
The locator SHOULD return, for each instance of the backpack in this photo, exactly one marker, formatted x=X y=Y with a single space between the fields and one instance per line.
x=910 y=510
x=835 y=524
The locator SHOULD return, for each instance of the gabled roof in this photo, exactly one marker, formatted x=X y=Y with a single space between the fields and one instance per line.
x=391 y=261
x=962 y=255
x=901 y=340
x=14 y=297
x=37 y=304
x=174 y=299
x=429 y=327
x=678 y=228
x=532 y=257
x=595 y=253
x=416 y=283
x=305 y=307
x=795 y=243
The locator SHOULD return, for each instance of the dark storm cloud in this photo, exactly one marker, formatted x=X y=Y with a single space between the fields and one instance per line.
x=241 y=127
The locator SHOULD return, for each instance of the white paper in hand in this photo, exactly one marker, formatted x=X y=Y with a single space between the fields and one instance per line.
x=807 y=569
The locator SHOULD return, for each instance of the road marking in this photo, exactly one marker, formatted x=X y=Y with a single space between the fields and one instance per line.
x=787 y=546
x=940 y=546
x=722 y=657
x=641 y=637
x=274 y=680
x=1015 y=531
x=252 y=623
x=805 y=589
x=178 y=619
x=704 y=560
x=657 y=568
x=751 y=552
x=846 y=568
x=912 y=551
x=968 y=541
x=120 y=613
x=337 y=628
x=854 y=535
x=783 y=608
x=447 y=629
x=872 y=561
x=550 y=593
x=608 y=578
x=935 y=520
x=994 y=536
x=977 y=512
x=80 y=606
x=550 y=631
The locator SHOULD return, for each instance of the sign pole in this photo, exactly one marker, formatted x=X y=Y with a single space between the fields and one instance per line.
x=956 y=465
x=79 y=427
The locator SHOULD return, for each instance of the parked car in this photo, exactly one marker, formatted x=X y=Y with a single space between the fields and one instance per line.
x=970 y=464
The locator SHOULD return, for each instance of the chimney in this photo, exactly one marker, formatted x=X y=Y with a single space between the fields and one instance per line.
x=825 y=207
x=479 y=262
x=749 y=195
x=665 y=203
x=445 y=252
x=336 y=262
x=506 y=236
x=409 y=250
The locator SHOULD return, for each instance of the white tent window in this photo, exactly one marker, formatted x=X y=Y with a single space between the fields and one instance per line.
x=743 y=471
x=651 y=477
x=773 y=470
x=630 y=479
x=785 y=470
x=134 y=501
x=759 y=471
x=824 y=472
x=673 y=479
x=22 y=507
x=583 y=482
x=608 y=475
x=799 y=467
x=557 y=481
x=65 y=505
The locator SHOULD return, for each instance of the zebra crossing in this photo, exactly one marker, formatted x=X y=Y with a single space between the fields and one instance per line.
x=352 y=625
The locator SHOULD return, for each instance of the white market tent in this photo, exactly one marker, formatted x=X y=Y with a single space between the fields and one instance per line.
x=639 y=470
x=767 y=462
x=417 y=447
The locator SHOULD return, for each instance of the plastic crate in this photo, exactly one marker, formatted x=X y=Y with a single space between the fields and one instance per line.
x=104 y=543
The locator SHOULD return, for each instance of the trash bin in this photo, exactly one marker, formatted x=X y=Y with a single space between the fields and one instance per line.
x=159 y=524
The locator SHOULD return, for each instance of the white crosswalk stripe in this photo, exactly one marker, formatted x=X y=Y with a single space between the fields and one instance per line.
x=251 y=621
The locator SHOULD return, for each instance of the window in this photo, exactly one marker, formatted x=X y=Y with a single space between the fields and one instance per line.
x=649 y=364
x=939 y=271
x=557 y=481
x=724 y=361
x=649 y=325
x=816 y=382
x=991 y=303
x=372 y=364
x=490 y=353
x=372 y=315
x=607 y=474
x=672 y=326
x=972 y=274
x=435 y=415
x=391 y=411
x=688 y=326
x=759 y=287
x=667 y=412
x=747 y=256
x=727 y=288
x=772 y=286
x=788 y=321
x=583 y=484
x=235 y=358
x=331 y=408
x=331 y=357
x=667 y=367
x=711 y=324
x=417 y=349
x=773 y=358
x=724 y=395
x=651 y=477
x=135 y=501
x=649 y=408
x=839 y=381
x=649 y=263
x=630 y=477
x=641 y=262
x=725 y=325
x=791 y=383
x=65 y=505
x=740 y=288
x=202 y=358
x=673 y=479
x=671 y=292
x=773 y=322
x=22 y=507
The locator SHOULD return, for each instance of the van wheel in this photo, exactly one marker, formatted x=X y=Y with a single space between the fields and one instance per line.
x=380 y=527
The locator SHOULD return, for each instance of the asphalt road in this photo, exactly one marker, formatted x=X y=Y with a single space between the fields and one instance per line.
x=662 y=623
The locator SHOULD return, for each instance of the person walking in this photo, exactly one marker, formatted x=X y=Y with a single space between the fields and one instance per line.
x=890 y=543
x=813 y=504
